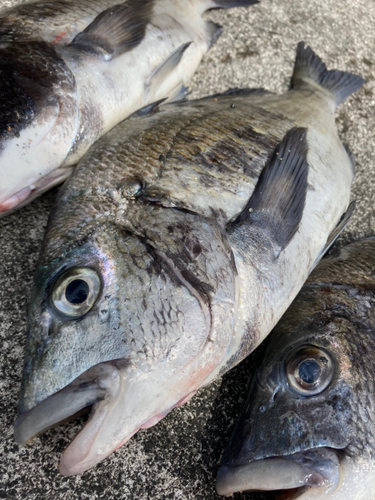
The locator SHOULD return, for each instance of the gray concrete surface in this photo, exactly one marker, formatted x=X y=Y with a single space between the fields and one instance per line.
x=179 y=457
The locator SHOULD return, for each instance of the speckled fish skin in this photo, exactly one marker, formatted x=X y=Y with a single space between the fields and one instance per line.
x=64 y=87
x=172 y=213
x=282 y=429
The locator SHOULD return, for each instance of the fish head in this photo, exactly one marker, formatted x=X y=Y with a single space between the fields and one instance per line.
x=306 y=426
x=129 y=318
x=38 y=121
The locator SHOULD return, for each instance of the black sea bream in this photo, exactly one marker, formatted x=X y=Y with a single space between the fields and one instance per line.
x=70 y=71
x=175 y=248
x=309 y=421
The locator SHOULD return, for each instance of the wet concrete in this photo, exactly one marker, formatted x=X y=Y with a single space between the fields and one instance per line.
x=179 y=457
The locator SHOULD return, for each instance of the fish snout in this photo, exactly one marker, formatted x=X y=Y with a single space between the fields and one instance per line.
x=97 y=384
x=318 y=468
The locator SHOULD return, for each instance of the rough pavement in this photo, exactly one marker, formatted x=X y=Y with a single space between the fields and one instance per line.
x=179 y=457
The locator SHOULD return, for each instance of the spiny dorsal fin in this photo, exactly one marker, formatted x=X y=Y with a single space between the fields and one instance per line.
x=116 y=30
x=309 y=67
x=279 y=197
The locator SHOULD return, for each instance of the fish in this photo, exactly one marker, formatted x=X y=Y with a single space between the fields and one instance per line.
x=173 y=250
x=308 y=424
x=71 y=71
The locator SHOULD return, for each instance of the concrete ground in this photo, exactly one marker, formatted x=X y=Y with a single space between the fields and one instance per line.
x=179 y=457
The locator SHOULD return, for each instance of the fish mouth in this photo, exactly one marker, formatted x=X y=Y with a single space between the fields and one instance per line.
x=94 y=389
x=29 y=193
x=118 y=408
x=314 y=473
x=97 y=391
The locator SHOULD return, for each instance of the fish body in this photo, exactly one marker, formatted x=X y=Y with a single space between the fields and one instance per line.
x=64 y=87
x=174 y=249
x=309 y=420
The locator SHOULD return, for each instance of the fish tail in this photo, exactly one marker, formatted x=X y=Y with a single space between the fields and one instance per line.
x=308 y=68
x=229 y=4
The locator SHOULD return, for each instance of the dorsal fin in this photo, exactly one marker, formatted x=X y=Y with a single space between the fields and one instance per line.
x=116 y=30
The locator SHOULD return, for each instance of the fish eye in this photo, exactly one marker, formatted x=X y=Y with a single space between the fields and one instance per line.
x=76 y=291
x=309 y=370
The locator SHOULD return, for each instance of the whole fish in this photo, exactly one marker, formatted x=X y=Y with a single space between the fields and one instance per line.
x=309 y=421
x=70 y=71
x=174 y=249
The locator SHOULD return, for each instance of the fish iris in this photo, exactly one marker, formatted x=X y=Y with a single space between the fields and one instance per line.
x=309 y=371
x=77 y=291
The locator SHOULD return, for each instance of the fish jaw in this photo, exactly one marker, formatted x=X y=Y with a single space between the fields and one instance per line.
x=29 y=193
x=317 y=470
x=124 y=399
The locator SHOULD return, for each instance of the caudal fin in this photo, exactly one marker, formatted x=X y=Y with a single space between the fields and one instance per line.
x=309 y=67
x=229 y=4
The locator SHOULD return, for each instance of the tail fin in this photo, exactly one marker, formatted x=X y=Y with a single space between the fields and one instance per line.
x=228 y=4
x=308 y=66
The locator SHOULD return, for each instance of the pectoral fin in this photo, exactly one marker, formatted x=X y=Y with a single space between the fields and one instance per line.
x=116 y=30
x=277 y=204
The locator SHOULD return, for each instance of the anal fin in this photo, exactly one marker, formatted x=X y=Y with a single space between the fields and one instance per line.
x=214 y=32
x=164 y=69
x=344 y=221
x=150 y=108
x=351 y=156
x=278 y=201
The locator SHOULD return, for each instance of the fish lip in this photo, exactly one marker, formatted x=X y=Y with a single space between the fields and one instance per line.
x=27 y=194
x=85 y=391
x=282 y=473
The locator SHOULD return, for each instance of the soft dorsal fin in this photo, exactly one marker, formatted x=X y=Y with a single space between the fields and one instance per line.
x=277 y=203
x=116 y=30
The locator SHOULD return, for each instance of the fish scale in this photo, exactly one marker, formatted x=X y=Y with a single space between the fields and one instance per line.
x=224 y=242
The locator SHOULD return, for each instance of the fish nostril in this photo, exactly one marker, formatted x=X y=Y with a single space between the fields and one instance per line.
x=46 y=324
x=275 y=395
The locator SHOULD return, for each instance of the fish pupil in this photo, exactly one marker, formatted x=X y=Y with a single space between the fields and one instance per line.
x=77 y=292
x=309 y=371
